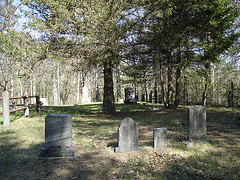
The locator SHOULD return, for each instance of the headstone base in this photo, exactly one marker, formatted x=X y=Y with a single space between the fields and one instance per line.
x=57 y=152
x=126 y=150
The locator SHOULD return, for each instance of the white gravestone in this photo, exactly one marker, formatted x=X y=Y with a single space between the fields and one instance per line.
x=85 y=98
x=44 y=101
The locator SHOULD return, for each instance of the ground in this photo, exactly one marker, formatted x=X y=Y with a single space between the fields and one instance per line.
x=95 y=136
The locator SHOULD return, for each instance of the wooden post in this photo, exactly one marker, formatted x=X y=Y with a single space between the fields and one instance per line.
x=6 y=111
x=38 y=104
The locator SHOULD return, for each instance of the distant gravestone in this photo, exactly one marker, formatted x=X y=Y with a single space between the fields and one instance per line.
x=44 y=101
x=197 y=122
x=159 y=137
x=127 y=136
x=58 y=137
x=85 y=98
x=129 y=96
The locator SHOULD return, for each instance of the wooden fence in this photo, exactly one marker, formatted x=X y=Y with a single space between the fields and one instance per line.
x=11 y=108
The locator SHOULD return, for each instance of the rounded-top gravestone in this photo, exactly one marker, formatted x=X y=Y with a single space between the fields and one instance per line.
x=127 y=136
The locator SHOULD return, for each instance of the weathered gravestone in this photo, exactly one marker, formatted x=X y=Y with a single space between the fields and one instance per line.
x=197 y=122
x=58 y=137
x=85 y=98
x=159 y=137
x=5 y=109
x=129 y=96
x=127 y=136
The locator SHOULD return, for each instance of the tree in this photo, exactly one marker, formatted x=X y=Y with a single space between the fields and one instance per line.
x=99 y=26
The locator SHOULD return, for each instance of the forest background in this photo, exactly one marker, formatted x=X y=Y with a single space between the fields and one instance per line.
x=178 y=52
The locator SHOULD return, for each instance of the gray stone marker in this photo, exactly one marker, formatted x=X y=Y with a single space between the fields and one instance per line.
x=159 y=137
x=127 y=136
x=5 y=109
x=58 y=137
x=196 y=123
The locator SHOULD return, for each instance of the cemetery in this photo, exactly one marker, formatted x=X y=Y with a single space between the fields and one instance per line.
x=79 y=142
x=96 y=90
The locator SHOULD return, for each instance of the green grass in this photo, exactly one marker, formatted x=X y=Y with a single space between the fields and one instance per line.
x=95 y=136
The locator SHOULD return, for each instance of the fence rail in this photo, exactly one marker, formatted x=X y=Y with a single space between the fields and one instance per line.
x=7 y=109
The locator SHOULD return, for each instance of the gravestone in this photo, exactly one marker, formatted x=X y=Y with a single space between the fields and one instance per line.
x=127 y=136
x=159 y=137
x=85 y=98
x=26 y=105
x=129 y=96
x=197 y=122
x=5 y=109
x=58 y=137
x=44 y=101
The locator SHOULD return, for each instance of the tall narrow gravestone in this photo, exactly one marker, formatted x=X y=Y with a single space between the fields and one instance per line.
x=159 y=137
x=127 y=136
x=58 y=137
x=85 y=98
x=197 y=122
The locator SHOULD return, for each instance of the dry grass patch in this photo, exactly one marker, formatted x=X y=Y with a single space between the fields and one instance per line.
x=95 y=136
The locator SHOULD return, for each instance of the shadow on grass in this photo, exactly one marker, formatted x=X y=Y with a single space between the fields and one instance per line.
x=94 y=161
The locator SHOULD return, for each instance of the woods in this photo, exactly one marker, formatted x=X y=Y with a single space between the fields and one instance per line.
x=179 y=52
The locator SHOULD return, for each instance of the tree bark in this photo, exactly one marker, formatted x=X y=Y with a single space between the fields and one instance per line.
x=178 y=80
x=118 y=83
x=162 y=88
x=55 y=87
x=177 y=93
x=108 y=95
x=170 y=88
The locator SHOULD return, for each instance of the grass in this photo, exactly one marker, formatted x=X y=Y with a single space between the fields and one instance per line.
x=95 y=136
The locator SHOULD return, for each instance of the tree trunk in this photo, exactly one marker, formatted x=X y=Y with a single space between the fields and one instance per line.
x=213 y=90
x=178 y=80
x=55 y=87
x=170 y=88
x=177 y=93
x=162 y=88
x=185 y=92
x=204 y=96
x=118 y=83
x=108 y=95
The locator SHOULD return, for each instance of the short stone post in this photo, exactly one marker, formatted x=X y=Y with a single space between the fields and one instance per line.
x=127 y=136
x=197 y=122
x=159 y=137
x=58 y=137
x=26 y=104
x=6 y=111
